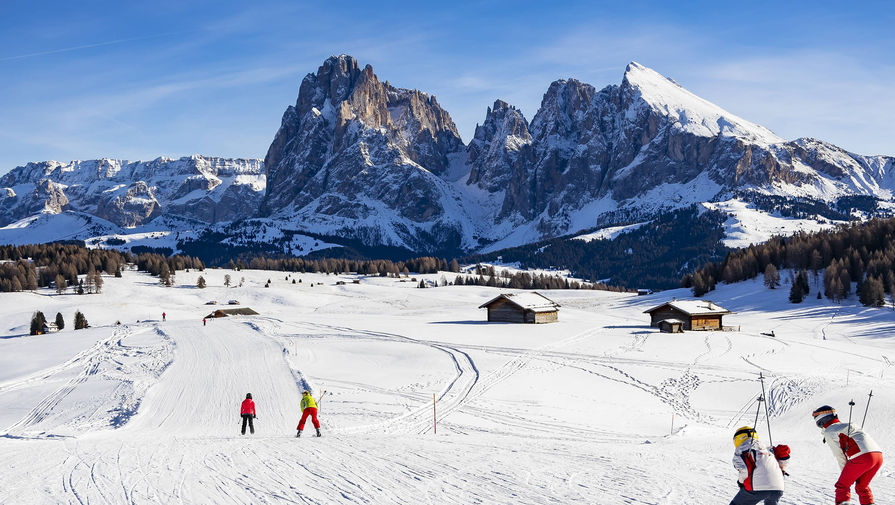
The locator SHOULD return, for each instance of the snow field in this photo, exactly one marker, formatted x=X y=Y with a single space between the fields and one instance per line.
x=574 y=412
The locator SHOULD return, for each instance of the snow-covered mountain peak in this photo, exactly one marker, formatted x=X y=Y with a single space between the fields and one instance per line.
x=694 y=114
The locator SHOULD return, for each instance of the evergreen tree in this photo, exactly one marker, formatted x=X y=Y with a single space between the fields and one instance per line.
x=796 y=294
x=80 y=321
x=201 y=282
x=60 y=321
x=802 y=280
x=38 y=322
x=227 y=280
x=98 y=282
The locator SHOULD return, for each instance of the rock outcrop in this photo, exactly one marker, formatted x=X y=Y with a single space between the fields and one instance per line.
x=360 y=158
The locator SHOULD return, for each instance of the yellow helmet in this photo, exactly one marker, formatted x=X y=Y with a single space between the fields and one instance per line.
x=743 y=434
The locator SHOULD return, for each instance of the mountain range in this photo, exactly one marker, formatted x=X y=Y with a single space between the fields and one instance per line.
x=359 y=162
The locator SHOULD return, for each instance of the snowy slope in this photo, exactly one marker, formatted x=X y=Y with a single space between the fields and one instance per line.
x=747 y=225
x=575 y=412
x=49 y=227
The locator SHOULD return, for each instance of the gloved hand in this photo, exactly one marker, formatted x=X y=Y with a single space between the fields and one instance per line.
x=254 y=416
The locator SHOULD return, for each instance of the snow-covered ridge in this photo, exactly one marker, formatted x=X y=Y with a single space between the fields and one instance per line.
x=693 y=113
x=131 y=193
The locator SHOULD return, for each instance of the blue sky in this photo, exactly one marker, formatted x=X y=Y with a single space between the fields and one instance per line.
x=137 y=80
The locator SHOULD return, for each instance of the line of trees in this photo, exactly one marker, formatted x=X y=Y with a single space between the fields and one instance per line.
x=59 y=266
x=422 y=265
x=525 y=280
x=39 y=322
x=859 y=254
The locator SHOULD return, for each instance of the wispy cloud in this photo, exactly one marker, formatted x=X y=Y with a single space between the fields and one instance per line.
x=85 y=46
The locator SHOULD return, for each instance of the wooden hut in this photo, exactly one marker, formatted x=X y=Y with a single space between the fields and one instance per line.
x=522 y=308
x=694 y=314
x=244 y=311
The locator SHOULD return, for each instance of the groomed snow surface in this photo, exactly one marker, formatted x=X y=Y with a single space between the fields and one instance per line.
x=579 y=411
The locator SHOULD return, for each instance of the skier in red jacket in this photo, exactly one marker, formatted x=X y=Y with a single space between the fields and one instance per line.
x=247 y=411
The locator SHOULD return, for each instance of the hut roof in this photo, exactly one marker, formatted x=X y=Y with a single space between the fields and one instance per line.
x=532 y=301
x=672 y=321
x=242 y=311
x=692 y=307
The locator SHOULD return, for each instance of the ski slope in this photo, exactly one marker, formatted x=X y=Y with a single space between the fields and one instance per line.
x=146 y=411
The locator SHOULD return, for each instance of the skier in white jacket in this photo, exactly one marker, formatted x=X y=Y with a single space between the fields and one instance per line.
x=858 y=455
x=761 y=473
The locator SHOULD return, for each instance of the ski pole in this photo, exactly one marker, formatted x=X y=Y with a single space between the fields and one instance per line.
x=869 y=397
x=767 y=415
x=851 y=405
x=757 y=410
x=758 y=407
x=320 y=399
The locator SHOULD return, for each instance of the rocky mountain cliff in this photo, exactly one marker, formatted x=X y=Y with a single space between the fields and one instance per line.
x=361 y=158
x=356 y=158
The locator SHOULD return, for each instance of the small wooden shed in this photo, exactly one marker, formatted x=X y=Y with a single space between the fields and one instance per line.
x=671 y=326
x=531 y=307
x=694 y=314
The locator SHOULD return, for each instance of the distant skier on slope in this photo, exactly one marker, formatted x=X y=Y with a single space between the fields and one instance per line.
x=308 y=408
x=761 y=470
x=247 y=411
x=859 y=457
x=164 y=316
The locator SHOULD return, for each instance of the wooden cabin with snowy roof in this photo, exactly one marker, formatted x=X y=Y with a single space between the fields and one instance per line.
x=694 y=314
x=530 y=307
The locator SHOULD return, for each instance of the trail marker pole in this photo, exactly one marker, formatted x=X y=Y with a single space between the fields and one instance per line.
x=672 y=423
x=434 y=417
x=767 y=415
x=869 y=397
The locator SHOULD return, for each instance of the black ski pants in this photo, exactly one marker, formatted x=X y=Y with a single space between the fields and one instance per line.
x=754 y=497
x=247 y=418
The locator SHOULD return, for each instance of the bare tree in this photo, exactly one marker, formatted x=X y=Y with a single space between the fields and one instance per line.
x=61 y=284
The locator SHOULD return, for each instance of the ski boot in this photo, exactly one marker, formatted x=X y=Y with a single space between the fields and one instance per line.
x=297 y=435
x=318 y=433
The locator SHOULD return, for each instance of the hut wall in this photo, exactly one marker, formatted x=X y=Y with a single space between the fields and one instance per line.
x=503 y=312
x=705 y=323
x=667 y=313
x=546 y=317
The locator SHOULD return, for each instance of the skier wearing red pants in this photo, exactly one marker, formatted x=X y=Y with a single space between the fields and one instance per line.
x=859 y=457
x=308 y=408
